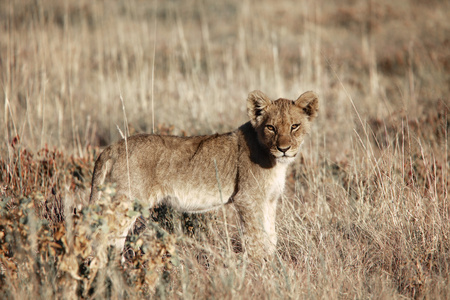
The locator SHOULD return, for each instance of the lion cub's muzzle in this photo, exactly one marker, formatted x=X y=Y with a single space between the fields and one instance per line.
x=284 y=152
x=284 y=147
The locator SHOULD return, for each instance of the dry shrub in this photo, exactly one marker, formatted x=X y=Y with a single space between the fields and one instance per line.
x=50 y=250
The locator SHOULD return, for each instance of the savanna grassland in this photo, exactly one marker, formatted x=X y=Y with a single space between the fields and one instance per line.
x=365 y=213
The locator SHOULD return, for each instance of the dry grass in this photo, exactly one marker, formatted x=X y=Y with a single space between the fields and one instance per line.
x=365 y=213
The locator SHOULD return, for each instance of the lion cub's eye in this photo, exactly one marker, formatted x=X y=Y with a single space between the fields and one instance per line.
x=270 y=128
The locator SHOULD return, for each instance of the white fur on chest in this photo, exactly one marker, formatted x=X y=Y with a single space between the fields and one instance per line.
x=278 y=180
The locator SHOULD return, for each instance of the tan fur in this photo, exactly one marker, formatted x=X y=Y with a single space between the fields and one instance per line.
x=249 y=165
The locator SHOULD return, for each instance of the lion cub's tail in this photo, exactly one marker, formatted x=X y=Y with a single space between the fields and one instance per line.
x=101 y=169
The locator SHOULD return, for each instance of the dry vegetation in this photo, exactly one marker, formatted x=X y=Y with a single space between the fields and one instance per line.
x=366 y=209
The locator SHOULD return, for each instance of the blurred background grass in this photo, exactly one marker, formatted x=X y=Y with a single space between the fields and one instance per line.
x=64 y=64
x=365 y=212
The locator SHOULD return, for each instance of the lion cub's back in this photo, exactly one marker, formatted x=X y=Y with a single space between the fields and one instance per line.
x=170 y=164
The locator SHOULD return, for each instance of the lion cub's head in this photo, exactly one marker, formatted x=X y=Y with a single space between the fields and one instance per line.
x=282 y=124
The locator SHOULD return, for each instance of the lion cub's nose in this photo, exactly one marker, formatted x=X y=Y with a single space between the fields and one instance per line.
x=283 y=149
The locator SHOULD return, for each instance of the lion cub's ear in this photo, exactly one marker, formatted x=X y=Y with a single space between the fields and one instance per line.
x=257 y=104
x=309 y=102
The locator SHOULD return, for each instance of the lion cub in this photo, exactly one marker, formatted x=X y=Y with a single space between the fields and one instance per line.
x=246 y=167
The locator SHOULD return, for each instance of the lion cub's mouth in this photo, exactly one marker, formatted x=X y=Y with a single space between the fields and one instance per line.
x=283 y=156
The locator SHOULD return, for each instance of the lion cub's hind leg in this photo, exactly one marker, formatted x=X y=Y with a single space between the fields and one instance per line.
x=123 y=223
x=121 y=237
x=119 y=222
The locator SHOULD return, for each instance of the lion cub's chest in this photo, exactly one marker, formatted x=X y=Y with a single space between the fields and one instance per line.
x=278 y=180
x=268 y=183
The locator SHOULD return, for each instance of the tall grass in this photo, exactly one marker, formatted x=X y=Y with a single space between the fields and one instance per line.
x=365 y=212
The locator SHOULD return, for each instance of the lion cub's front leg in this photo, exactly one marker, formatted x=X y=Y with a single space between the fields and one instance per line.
x=269 y=220
x=258 y=223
